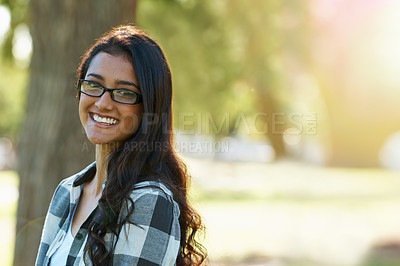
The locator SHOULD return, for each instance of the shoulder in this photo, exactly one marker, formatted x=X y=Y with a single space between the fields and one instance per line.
x=72 y=183
x=152 y=188
x=155 y=199
x=61 y=197
x=68 y=191
x=64 y=188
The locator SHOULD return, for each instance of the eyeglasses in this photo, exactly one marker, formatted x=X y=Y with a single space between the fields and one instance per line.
x=95 y=89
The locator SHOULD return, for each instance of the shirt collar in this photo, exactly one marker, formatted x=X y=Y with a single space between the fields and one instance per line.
x=85 y=175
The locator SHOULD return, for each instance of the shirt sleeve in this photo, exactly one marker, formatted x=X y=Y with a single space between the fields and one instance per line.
x=56 y=210
x=154 y=238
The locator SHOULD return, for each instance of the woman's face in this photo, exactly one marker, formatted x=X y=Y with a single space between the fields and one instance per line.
x=123 y=119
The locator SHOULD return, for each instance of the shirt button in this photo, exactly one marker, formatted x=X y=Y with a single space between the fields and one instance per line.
x=79 y=236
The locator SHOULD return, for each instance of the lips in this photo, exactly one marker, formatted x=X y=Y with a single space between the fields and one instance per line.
x=103 y=120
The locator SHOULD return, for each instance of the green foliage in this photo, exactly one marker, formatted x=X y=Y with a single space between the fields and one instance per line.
x=227 y=57
x=19 y=14
x=13 y=82
x=206 y=73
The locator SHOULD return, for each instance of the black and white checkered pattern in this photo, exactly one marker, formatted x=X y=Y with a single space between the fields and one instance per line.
x=153 y=240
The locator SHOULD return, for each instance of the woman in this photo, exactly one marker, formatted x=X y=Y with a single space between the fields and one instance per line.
x=130 y=206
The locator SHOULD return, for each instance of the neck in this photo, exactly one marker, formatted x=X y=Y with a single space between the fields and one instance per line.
x=102 y=151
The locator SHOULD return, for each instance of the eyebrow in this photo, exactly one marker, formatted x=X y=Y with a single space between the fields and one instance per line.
x=117 y=81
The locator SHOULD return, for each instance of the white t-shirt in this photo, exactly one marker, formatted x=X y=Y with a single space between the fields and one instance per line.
x=60 y=256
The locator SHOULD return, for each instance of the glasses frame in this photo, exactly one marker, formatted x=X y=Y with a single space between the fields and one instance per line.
x=139 y=98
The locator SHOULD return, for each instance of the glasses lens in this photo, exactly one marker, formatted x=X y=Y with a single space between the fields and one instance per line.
x=91 y=88
x=125 y=96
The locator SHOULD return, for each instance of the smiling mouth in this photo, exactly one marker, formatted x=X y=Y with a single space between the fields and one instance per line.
x=108 y=121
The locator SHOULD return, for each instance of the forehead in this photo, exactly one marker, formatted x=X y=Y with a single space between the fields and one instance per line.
x=112 y=67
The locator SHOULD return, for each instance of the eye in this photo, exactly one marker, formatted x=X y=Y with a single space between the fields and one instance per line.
x=125 y=96
x=91 y=88
x=126 y=93
x=92 y=84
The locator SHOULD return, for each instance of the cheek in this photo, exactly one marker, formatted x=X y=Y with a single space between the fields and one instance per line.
x=82 y=110
x=132 y=119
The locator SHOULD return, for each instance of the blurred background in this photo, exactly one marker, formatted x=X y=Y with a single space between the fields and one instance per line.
x=286 y=113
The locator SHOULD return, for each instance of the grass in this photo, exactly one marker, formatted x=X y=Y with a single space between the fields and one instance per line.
x=287 y=214
x=295 y=214
x=8 y=213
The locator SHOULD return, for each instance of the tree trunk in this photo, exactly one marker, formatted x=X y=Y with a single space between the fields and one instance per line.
x=276 y=123
x=53 y=144
x=260 y=52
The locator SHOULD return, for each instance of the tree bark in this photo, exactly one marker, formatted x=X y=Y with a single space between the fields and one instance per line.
x=53 y=144
x=264 y=42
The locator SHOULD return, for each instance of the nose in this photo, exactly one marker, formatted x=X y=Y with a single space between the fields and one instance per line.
x=105 y=102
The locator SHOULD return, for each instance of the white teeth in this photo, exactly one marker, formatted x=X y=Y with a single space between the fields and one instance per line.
x=99 y=119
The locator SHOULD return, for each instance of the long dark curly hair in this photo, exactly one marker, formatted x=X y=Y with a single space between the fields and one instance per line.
x=147 y=154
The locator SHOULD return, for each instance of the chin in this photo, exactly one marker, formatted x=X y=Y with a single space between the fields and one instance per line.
x=105 y=141
x=96 y=140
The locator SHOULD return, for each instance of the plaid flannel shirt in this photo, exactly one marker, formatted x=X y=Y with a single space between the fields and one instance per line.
x=154 y=240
